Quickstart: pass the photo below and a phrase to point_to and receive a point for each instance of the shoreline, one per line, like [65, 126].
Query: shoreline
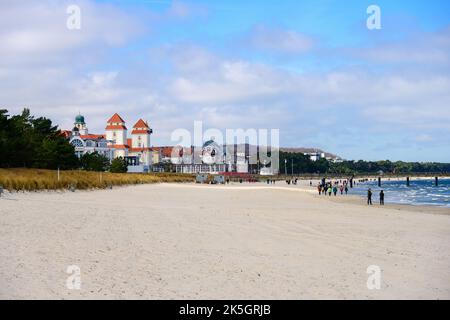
[352, 199]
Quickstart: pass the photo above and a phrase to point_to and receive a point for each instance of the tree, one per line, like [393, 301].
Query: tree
[26, 141]
[119, 165]
[94, 162]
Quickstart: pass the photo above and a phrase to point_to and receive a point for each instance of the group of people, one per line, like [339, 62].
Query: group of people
[369, 197]
[333, 187]
[292, 181]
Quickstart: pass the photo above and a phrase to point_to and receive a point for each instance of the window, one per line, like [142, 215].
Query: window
[77, 143]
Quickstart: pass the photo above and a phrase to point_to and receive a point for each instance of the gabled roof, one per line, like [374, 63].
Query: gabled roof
[116, 118]
[120, 123]
[141, 124]
[141, 127]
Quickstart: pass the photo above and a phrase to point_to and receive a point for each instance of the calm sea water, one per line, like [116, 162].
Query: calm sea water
[420, 192]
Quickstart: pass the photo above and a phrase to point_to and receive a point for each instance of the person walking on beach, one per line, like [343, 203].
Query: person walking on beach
[319, 188]
[346, 189]
[330, 190]
[335, 190]
[382, 198]
[341, 188]
[369, 196]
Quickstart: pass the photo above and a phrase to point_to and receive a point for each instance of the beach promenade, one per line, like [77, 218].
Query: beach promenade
[249, 241]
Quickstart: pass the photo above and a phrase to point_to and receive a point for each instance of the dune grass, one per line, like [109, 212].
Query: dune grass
[39, 179]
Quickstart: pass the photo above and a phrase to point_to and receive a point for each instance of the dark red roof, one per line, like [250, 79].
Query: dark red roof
[66, 133]
[116, 127]
[92, 136]
[139, 149]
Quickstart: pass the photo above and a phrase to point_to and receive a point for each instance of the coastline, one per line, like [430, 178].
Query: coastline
[303, 186]
[360, 201]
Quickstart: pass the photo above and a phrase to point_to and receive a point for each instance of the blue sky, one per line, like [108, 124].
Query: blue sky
[310, 68]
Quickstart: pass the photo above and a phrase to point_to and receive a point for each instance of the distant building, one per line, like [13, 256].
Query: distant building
[214, 158]
[315, 156]
[84, 142]
[210, 159]
[137, 150]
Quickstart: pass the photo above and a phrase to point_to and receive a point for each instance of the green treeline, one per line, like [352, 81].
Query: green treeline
[29, 142]
[303, 164]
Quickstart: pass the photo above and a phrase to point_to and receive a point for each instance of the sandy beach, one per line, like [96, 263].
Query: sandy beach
[186, 241]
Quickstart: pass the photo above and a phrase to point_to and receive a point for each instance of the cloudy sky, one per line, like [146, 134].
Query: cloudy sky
[310, 68]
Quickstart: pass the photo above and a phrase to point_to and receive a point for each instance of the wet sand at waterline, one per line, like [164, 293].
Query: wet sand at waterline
[188, 241]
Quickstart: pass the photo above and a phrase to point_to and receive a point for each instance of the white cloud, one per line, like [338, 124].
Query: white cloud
[279, 40]
[423, 50]
[36, 32]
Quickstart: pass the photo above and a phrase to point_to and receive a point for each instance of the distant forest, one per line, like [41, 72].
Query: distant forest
[27, 141]
[298, 163]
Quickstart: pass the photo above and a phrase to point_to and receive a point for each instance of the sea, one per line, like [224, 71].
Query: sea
[419, 192]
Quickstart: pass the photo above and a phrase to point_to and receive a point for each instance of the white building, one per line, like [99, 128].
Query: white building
[315, 156]
[136, 150]
[115, 142]
[84, 142]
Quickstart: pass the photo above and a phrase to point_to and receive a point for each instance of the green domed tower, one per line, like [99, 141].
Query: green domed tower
[80, 125]
[79, 119]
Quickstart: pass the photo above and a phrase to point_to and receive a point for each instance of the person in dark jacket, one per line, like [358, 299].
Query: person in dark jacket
[382, 197]
[369, 196]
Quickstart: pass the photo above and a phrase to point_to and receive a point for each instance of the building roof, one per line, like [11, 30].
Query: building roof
[116, 127]
[141, 127]
[116, 123]
[141, 124]
[166, 151]
[116, 118]
[92, 136]
[79, 119]
[119, 146]
[139, 149]
[66, 133]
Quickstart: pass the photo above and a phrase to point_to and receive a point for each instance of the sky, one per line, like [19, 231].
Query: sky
[311, 69]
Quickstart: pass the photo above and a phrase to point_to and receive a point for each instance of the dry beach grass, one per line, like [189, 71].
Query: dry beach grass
[40, 179]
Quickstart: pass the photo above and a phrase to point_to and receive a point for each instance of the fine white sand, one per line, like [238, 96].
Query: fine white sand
[219, 242]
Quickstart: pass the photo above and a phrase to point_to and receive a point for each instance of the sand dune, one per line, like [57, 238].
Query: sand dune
[218, 242]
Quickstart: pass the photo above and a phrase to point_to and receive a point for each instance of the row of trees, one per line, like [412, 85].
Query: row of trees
[298, 163]
[26, 141]
[388, 167]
